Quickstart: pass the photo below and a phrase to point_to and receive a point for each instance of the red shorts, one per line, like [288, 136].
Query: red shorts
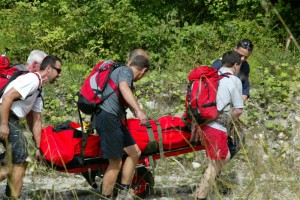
[215, 142]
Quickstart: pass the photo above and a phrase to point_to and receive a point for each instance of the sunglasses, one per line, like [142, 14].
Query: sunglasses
[57, 69]
[246, 45]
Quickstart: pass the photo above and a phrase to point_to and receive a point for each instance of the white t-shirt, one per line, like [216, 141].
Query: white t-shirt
[229, 92]
[28, 87]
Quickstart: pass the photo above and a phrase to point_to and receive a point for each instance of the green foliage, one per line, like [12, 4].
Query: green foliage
[217, 7]
[289, 11]
[276, 88]
[87, 31]
[60, 98]
[165, 90]
[177, 35]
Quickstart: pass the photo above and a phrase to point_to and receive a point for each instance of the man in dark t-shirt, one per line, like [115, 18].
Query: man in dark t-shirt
[245, 48]
[115, 137]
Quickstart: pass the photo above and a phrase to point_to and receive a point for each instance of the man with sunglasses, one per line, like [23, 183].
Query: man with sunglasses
[22, 99]
[244, 47]
[33, 64]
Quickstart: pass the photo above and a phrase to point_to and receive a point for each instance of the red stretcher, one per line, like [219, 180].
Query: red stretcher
[168, 136]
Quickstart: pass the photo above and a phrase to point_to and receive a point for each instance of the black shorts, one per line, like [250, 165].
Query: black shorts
[114, 135]
[17, 140]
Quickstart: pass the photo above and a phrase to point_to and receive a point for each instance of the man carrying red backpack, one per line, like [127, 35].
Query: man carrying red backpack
[33, 64]
[22, 99]
[213, 135]
[115, 138]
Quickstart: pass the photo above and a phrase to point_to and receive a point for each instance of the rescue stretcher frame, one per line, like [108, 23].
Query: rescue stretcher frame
[143, 181]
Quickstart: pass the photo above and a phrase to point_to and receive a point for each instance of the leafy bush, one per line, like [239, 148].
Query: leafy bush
[176, 38]
[60, 97]
[273, 96]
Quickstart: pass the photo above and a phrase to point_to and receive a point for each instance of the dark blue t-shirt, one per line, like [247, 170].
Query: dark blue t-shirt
[243, 75]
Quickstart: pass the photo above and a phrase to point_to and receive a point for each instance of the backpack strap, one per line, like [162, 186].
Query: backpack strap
[5, 76]
[40, 80]
[85, 134]
[84, 137]
[20, 67]
[63, 126]
[83, 143]
[152, 145]
[222, 75]
[160, 140]
[222, 110]
[109, 82]
[40, 88]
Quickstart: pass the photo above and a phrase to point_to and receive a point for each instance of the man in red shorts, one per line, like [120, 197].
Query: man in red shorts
[213, 135]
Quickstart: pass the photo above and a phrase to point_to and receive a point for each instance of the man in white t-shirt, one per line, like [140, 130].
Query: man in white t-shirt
[214, 134]
[22, 99]
[33, 64]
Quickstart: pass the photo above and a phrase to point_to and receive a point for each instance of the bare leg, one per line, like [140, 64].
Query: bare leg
[214, 168]
[15, 181]
[4, 171]
[110, 176]
[129, 165]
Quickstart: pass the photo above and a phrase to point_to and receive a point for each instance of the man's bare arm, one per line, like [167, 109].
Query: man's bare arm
[7, 101]
[236, 113]
[37, 130]
[130, 99]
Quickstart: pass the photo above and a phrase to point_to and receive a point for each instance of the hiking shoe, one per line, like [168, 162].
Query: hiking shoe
[125, 195]
[90, 177]
[4, 197]
[202, 191]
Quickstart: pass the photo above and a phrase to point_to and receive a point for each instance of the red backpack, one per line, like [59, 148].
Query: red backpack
[91, 93]
[7, 72]
[4, 61]
[201, 94]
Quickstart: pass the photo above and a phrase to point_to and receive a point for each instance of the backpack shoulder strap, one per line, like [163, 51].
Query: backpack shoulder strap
[227, 74]
[111, 82]
[40, 88]
[222, 75]
[40, 80]
[20, 67]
